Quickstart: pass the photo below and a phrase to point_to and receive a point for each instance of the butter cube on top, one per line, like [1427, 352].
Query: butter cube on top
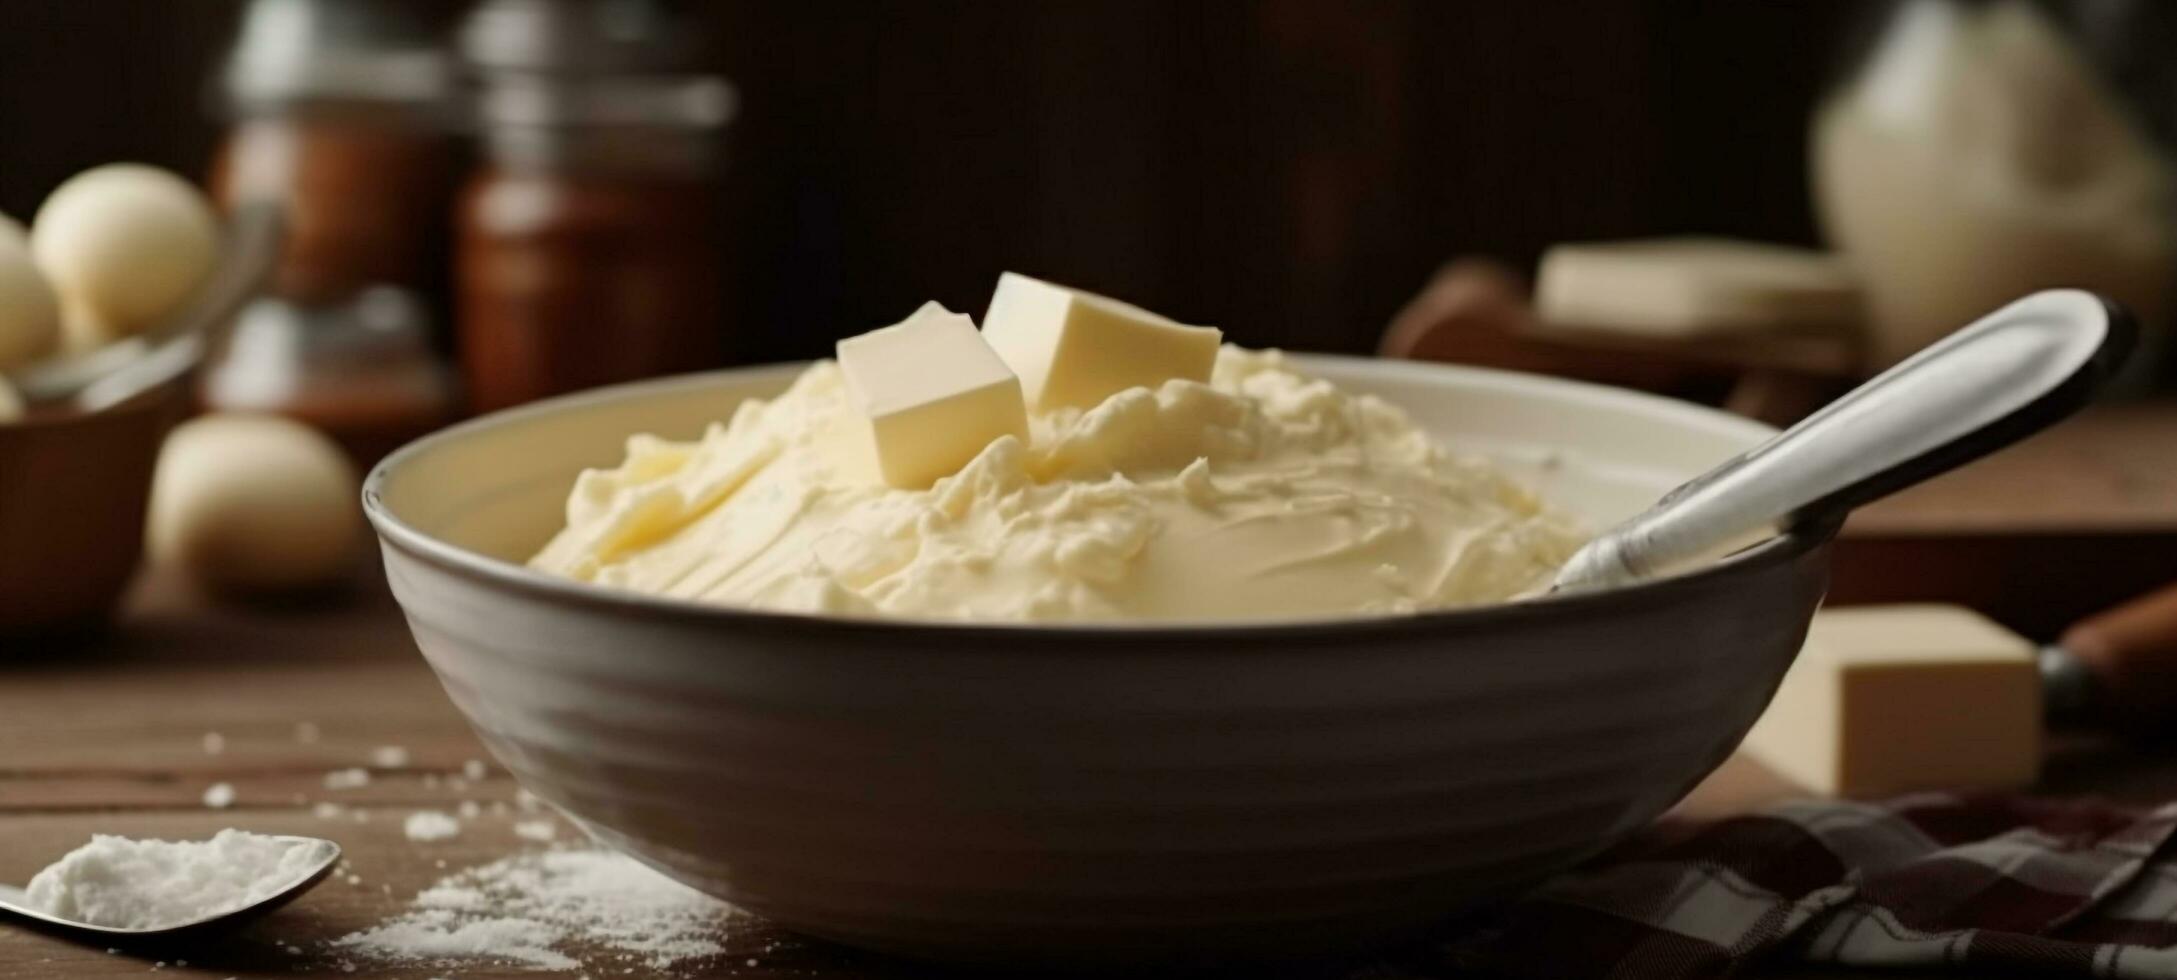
[1075, 348]
[1887, 699]
[927, 395]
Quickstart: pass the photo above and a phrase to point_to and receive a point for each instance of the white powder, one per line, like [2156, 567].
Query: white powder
[347, 778]
[389, 757]
[326, 810]
[430, 825]
[474, 770]
[469, 810]
[148, 884]
[214, 743]
[558, 910]
[536, 830]
[219, 796]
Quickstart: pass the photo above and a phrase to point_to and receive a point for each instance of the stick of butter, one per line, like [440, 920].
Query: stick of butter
[1075, 348]
[1687, 287]
[1885, 699]
[927, 394]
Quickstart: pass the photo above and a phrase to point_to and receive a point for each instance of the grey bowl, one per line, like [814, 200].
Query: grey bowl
[1100, 794]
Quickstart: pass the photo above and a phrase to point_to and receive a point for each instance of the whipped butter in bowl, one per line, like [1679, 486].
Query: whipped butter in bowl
[1078, 637]
[1234, 487]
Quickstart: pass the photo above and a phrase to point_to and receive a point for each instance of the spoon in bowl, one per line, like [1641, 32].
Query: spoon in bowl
[2008, 375]
[16, 900]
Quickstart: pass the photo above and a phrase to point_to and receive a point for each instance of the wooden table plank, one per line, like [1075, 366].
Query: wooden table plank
[2054, 529]
[2111, 469]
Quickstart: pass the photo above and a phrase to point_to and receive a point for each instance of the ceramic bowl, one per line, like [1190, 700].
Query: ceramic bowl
[74, 488]
[1100, 794]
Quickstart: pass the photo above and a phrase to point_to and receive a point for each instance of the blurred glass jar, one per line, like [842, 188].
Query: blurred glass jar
[589, 244]
[1980, 150]
[339, 111]
[360, 369]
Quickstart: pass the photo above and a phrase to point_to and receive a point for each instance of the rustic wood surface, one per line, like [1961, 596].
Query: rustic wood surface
[2047, 532]
[109, 738]
[2110, 470]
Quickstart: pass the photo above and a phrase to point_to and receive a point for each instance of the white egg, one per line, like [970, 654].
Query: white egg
[251, 504]
[29, 311]
[11, 404]
[125, 245]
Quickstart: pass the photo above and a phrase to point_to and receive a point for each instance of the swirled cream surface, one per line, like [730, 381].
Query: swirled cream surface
[1263, 494]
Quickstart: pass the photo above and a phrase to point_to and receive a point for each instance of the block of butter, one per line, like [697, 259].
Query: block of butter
[1075, 348]
[926, 395]
[1887, 699]
[1682, 287]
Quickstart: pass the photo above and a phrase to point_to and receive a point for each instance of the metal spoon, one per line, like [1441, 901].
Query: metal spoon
[2010, 374]
[15, 900]
[119, 371]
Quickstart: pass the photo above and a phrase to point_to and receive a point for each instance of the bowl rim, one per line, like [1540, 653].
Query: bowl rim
[1784, 549]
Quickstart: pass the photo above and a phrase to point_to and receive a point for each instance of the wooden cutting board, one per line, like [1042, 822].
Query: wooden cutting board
[2063, 525]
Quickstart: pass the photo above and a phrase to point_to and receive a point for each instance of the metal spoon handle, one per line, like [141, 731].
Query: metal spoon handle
[2008, 375]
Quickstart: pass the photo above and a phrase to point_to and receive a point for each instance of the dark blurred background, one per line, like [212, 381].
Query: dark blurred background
[1289, 170]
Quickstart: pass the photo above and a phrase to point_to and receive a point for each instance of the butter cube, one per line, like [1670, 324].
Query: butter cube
[1886, 699]
[926, 395]
[1075, 348]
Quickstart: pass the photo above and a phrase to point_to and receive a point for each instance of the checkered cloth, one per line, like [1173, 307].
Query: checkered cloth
[1989, 886]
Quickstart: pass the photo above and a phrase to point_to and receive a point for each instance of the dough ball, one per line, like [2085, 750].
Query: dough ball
[125, 245]
[29, 311]
[251, 504]
[83, 331]
[11, 403]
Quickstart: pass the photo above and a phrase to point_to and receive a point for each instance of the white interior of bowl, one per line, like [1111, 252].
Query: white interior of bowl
[498, 485]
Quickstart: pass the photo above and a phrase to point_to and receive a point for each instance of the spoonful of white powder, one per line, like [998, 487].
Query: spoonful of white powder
[117, 885]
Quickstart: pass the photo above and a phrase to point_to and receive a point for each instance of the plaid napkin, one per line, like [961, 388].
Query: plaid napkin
[1990, 886]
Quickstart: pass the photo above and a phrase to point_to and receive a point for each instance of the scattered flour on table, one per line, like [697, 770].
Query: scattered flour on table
[347, 778]
[219, 796]
[555, 910]
[389, 757]
[146, 884]
[430, 825]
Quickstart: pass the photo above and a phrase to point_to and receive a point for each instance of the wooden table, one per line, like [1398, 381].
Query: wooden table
[111, 739]
[2093, 501]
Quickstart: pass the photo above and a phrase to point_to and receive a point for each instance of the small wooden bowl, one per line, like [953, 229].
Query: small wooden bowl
[74, 488]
